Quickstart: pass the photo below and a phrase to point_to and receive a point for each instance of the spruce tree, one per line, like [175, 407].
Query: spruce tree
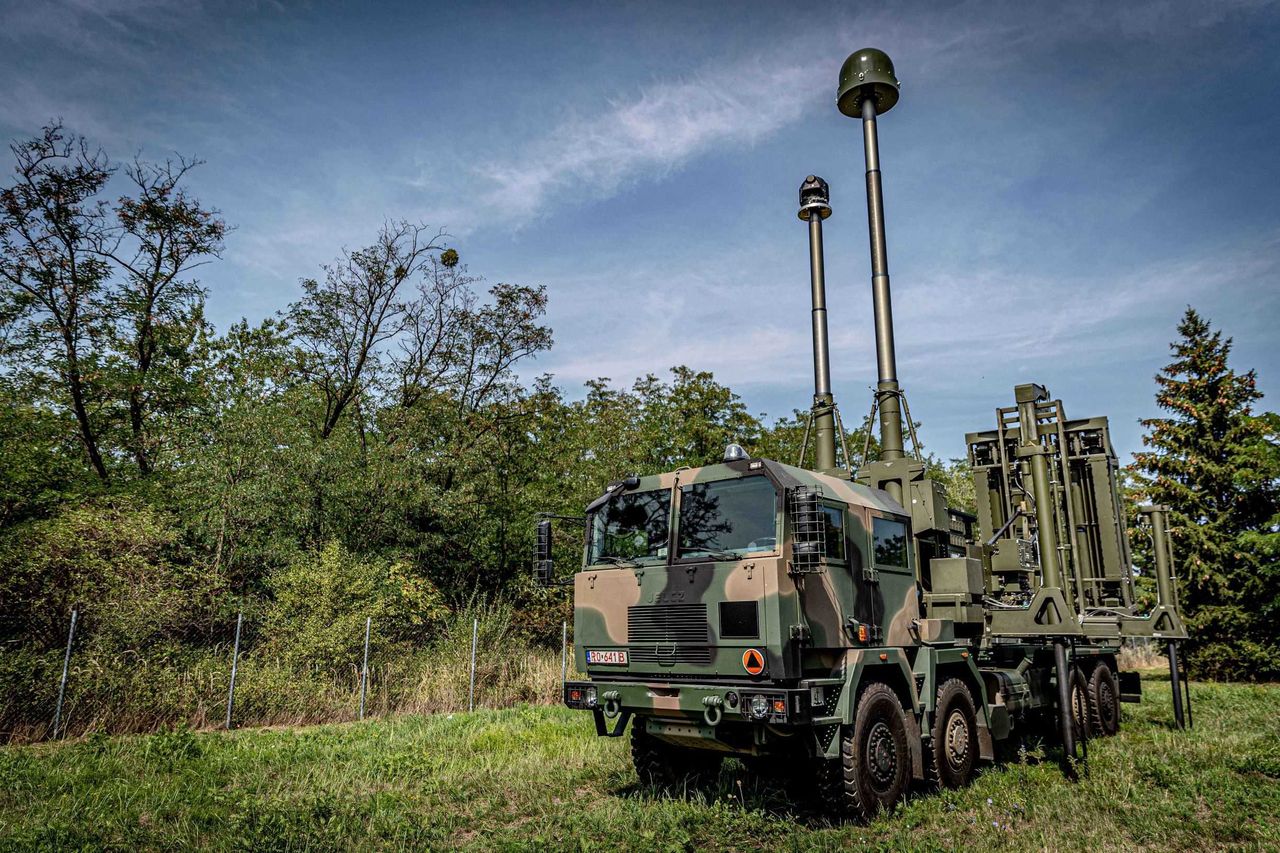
[1215, 464]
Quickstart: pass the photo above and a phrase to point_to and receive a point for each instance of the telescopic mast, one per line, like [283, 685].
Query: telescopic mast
[815, 206]
[868, 88]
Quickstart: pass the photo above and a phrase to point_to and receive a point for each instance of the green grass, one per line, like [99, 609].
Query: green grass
[536, 777]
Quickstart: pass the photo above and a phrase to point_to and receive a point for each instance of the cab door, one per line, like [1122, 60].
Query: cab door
[893, 575]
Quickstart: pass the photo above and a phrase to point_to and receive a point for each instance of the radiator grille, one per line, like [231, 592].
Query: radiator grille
[682, 624]
[669, 657]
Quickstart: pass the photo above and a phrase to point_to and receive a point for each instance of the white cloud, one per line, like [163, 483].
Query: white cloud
[732, 103]
[667, 124]
[949, 325]
[102, 29]
[1039, 320]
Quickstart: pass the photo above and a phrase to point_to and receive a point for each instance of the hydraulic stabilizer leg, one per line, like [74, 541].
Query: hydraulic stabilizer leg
[1085, 714]
[1186, 685]
[1065, 723]
[1175, 682]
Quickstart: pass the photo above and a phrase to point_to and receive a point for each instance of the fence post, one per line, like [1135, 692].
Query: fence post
[364, 670]
[471, 698]
[235, 659]
[564, 654]
[66, 664]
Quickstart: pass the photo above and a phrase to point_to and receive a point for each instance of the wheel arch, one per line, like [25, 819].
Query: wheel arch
[968, 674]
[897, 677]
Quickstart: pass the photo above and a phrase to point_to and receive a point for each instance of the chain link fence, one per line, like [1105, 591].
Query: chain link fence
[230, 682]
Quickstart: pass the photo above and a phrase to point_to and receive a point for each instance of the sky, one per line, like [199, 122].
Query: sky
[1060, 180]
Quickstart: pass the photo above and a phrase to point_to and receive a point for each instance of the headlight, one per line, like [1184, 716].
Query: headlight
[759, 707]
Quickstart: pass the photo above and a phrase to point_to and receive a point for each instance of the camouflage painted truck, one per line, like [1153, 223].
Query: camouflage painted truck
[849, 626]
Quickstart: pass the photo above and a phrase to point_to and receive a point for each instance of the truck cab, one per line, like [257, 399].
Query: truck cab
[738, 608]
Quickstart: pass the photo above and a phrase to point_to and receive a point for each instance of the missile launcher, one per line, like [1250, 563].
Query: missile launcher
[848, 622]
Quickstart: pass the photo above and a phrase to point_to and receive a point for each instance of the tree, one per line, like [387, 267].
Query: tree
[51, 226]
[784, 439]
[956, 478]
[117, 559]
[239, 453]
[162, 234]
[43, 462]
[428, 349]
[342, 323]
[1215, 465]
[690, 420]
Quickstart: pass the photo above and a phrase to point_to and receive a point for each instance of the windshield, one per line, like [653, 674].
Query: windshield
[728, 517]
[632, 526]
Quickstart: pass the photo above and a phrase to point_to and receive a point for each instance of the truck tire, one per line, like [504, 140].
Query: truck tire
[874, 768]
[665, 766]
[952, 754]
[1104, 701]
[1081, 707]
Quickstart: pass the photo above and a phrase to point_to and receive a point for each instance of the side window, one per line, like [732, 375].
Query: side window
[834, 534]
[890, 543]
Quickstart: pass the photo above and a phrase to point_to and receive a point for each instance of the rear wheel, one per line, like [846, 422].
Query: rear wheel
[1104, 701]
[874, 768]
[665, 766]
[1080, 705]
[953, 749]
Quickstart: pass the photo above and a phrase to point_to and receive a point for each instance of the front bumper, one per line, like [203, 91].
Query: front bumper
[710, 704]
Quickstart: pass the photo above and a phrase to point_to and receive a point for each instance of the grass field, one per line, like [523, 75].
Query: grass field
[536, 777]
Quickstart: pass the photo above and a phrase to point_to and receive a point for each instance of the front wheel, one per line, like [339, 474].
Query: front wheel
[874, 768]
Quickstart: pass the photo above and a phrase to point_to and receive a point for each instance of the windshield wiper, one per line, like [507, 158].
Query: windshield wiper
[717, 555]
[615, 561]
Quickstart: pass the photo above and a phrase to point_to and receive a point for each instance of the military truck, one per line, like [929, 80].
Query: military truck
[845, 623]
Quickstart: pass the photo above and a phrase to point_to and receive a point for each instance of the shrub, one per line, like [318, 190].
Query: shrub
[1242, 660]
[321, 601]
[119, 561]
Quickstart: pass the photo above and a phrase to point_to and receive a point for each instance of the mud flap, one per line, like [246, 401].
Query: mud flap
[1130, 686]
[998, 723]
[915, 742]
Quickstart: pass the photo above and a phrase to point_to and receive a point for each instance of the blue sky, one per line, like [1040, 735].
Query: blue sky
[1060, 182]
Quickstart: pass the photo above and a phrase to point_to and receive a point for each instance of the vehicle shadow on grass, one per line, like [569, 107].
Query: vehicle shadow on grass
[736, 788]
[795, 797]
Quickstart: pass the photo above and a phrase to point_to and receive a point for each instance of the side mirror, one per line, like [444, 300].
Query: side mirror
[543, 567]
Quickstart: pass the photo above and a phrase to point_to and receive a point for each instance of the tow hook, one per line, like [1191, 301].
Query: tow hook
[713, 713]
[612, 703]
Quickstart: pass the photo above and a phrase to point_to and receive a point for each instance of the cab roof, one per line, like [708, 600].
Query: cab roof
[788, 476]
